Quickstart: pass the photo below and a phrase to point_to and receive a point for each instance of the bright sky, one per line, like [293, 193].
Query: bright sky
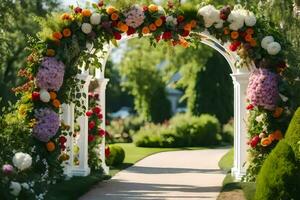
[75, 2]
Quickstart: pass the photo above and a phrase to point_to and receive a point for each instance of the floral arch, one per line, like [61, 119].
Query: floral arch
[68, 125]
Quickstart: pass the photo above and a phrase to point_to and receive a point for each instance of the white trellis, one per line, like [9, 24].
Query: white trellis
[240, 82]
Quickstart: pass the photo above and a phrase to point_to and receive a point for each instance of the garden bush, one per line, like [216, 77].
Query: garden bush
[279, 176]
[117, 155]
[228, 132]
[182, 130]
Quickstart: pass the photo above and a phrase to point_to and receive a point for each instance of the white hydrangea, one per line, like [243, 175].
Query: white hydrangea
[44, 96]
[15, 188]
[250, 19]
[134, 16]
[86, 28]
[210, 15]
[172, 21]
[237, 19]
[95, 18]
[266, 41]
[274, 48]
[22, 161]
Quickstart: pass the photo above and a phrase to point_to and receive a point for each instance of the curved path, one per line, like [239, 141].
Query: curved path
[186, 175]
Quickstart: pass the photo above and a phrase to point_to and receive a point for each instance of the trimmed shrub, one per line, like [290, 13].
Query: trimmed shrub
[116, 157]
[182, 130]
[279, 176]
[228, 132]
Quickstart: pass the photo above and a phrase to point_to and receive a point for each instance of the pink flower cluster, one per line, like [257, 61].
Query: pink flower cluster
[47, 124]
[51, 74]
[135, 16]
[263, 89]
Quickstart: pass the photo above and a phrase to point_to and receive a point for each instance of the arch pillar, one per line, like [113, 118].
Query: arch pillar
[240, 82]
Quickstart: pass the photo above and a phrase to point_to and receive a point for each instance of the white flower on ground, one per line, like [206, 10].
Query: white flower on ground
[172, 21]
[44, 96]
[250, 19]
[22, 161]
[86, 28]
[210, 15]
[15, 188]
[266, 41]
[274, 48]
[95, 18]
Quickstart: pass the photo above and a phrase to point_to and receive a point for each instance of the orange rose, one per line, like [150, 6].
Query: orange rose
[145, 30]
[152, 27]
[278, 135]
[248, 37]
[153, 8]
[56, 103]
[86, 13]
[50, 146]
[234, 35]
[226, 31]
[123, 27]
[188, 27]
[278, 112]
[50, 52]
[114, 16]
[184, 43]
[57, 35]
[180, 18]
[67, 32]
[250, 31]
[193, 23]
[66, 16]
[110, 10]
[158, 22]
[53, 95]
[265, 142]
[272, 137]
[253, 43]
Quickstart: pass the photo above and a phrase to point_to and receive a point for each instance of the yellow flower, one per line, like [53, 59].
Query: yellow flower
[153, 8]
[22, 111]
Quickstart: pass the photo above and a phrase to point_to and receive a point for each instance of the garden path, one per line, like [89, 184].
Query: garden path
[188, 175]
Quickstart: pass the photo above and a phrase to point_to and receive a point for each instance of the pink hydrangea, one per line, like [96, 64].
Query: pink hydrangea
[51, 74]
[135, 16]
[263, 89]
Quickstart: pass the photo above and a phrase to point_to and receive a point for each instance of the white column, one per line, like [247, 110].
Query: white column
[240, 81]
[83, 168]
[102, 98]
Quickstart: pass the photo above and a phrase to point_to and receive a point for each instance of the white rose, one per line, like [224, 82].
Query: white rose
[15, 188]
[250, 20]
[86, 28]
[266, 41]
[219, 24]
[44, 96]
[274, 48]
[237, 19]
[22, 161]
[171, 20]
[95, 18]
[210, 15]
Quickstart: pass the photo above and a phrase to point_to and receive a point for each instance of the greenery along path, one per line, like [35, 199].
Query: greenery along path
[167, 175]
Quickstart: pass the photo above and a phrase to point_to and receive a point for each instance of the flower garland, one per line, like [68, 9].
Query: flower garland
[52, 76]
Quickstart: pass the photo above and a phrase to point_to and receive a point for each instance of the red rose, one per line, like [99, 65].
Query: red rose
[62, 139]
[89, 113]
[100, 116]
[233, 47]
[167, 35]
[78, 10]
[163, 18]
[101, 3]
[250, 107]
[145, 8]
[101, 132]
[62, 147]
[223, 16]
[158, 38]
[254, 141]
[130, 31]
[91, 138]
[91, 95]
[96, 96]
[97, 110]
[185, 33]
[35, 96]
[117, 36]
[92, 125]
[107, 152]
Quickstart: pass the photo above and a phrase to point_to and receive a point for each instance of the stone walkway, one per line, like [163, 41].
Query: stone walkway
[186, 175]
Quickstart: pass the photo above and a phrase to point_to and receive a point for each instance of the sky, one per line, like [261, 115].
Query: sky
[81, 3]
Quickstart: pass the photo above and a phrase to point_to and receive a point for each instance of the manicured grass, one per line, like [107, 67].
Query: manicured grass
[229, 184]
[133, 154]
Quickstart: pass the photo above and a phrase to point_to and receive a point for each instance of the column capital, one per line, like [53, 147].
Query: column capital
[241, 77]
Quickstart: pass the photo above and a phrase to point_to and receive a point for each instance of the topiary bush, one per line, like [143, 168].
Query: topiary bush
[228, 132]
[116, 157]
[182, 130]
[279, 176]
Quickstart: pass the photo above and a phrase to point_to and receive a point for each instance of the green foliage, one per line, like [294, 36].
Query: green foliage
[279, 176]
[143, 80]
[117, 155]
[181, 131]
[228, 132]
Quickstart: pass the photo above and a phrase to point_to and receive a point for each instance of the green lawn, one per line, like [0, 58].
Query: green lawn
[229, 183]
[134, 154]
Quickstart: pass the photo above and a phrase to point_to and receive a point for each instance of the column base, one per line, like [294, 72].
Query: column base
[105, 169]
[237, 174]
[80, 172]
